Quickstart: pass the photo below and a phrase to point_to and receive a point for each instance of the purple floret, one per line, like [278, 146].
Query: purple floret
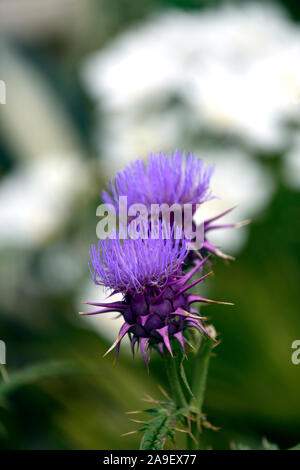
[163, 179]
[130, 265]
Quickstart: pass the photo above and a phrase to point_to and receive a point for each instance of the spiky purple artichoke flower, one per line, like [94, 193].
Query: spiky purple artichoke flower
[175, 179]
[156, 305]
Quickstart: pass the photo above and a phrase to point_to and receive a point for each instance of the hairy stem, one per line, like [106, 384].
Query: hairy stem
[172, 367]
[202, 359]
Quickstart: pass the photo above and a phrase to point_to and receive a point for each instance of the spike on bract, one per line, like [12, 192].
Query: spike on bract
[153, 317]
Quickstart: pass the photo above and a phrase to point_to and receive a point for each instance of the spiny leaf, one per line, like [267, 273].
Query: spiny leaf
[160, 427]
[155, 432]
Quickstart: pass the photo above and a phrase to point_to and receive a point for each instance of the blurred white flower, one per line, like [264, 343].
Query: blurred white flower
[234, 70]
[35, 200]
[35, 120]
[127, 136]
[291, 165]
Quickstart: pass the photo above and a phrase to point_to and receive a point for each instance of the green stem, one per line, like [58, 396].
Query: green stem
[172, 366]
[202, 359]
[200, 372]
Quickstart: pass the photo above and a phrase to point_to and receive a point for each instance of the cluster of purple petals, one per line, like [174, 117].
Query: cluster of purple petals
[176, 179]
[130, 265]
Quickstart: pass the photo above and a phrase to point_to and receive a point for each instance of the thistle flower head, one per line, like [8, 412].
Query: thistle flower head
[156, 305]
[175, 179]
[162, 180]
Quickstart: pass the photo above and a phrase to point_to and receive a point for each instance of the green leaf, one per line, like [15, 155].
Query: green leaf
[35, 373]
[160, 427]
[153, 439]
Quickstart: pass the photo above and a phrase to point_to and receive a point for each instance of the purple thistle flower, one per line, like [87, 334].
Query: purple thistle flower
[168, 180]
[175, 179]
[156, 305]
